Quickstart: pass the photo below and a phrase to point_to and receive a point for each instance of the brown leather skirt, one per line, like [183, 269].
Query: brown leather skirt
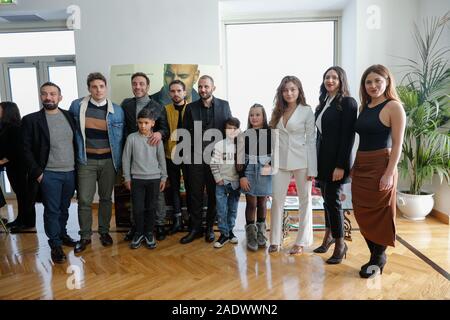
[374, 210]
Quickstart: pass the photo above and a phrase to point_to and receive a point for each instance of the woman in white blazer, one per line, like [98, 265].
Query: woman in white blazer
[294, 154]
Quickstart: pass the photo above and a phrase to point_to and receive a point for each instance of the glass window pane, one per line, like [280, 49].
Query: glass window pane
[260, 55]
[35, 44]
[24, 89]
[66, 78]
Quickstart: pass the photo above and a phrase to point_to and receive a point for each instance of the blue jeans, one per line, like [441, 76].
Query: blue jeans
[57, 191]
[227, 201]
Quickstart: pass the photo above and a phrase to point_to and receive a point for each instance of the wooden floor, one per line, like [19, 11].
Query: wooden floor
[418, 268]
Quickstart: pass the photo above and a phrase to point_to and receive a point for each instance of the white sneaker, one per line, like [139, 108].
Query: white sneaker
[233, 238]
[221, 241]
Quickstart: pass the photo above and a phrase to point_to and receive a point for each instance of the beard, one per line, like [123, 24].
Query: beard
[206, 96]
[50, 106]
[177, 100]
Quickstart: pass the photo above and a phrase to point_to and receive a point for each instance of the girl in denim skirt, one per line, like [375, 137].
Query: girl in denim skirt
[255, 174]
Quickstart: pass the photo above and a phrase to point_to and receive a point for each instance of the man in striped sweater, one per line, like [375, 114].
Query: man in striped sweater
[99, 137]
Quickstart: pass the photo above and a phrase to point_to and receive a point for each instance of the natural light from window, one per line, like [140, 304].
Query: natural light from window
[260, 55]
[27, 44]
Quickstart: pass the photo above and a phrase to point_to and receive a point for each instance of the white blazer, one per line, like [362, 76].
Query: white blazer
[295, 144]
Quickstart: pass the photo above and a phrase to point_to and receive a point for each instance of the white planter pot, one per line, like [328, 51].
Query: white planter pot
[415, 207]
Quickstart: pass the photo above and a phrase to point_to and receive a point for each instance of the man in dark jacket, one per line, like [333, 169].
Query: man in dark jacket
[140, 84]
[49, 152]
[205, 114]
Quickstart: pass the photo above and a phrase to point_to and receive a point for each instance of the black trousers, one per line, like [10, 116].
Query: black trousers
[2, 199]
[199, 177]
[334, 216]
[25, 198]
[174, 172]
[144, 197]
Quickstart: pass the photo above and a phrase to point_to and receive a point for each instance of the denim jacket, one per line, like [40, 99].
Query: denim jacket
[116, 127]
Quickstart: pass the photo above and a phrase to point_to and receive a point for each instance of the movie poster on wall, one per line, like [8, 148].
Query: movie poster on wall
[160, 76]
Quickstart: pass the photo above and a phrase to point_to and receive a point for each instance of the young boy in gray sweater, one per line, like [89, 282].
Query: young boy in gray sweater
[144, 170]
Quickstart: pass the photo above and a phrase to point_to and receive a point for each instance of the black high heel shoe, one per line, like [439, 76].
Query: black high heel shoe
[376, 263]
[338, 259]
[371, 270]
[324, 248]
[364, 266]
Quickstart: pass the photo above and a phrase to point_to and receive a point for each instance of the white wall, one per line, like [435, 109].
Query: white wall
[377, 44]
[142, 31]
[349, 46]
[436, 8]
[137, 31]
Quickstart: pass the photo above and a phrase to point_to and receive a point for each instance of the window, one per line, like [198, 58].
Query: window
[259, 55]
[36, 44]
[27, 60]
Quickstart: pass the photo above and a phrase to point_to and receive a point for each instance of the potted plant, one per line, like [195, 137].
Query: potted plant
[425, 94]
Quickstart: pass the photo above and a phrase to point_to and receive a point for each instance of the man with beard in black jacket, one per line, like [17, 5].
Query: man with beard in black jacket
[49, 152]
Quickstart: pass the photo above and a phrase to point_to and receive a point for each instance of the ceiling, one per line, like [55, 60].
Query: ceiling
[31, 10]
[247, 7]
[7, 15]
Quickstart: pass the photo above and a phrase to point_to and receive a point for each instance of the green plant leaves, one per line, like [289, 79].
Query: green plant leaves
[425, 95]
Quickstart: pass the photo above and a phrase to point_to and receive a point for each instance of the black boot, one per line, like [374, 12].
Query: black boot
[370, 245]
[377, 262]
[191, 236]
[177, 225]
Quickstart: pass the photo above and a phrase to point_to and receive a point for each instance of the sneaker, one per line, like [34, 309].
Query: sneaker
[233, 238]
[221, 241]
[150, 241]
[137, 240]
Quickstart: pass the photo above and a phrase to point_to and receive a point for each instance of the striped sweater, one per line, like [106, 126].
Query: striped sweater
[96, 130]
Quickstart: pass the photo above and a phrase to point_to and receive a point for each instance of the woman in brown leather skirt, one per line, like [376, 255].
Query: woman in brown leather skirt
[380, 126]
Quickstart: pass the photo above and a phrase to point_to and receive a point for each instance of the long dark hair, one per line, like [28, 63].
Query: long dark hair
[11, 114]
[280, 104]
[343, 90]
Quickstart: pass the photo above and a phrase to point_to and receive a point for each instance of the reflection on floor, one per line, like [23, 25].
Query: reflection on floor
[198, 271]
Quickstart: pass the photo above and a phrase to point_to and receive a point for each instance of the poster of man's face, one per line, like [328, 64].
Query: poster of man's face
[160, 77]
[188, 73]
